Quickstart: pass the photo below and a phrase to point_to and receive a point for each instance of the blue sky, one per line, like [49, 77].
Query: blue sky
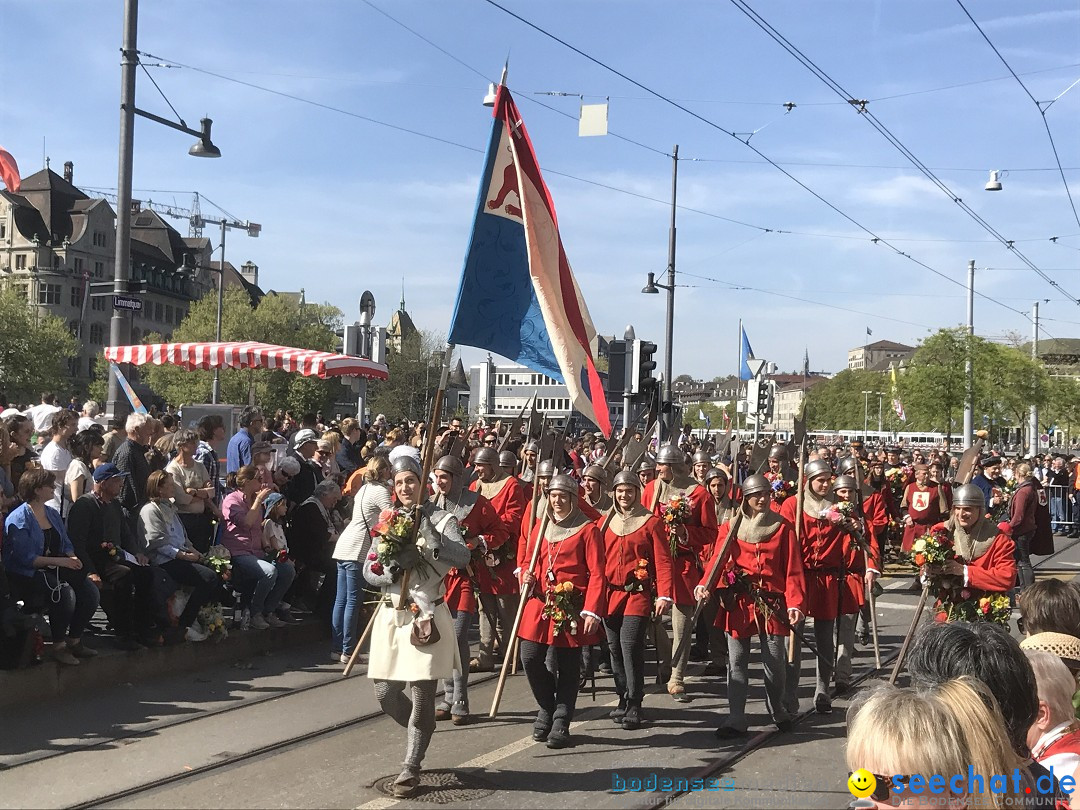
[348, 205]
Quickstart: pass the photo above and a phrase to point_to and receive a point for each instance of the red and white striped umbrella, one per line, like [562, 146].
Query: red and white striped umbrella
[193, 356]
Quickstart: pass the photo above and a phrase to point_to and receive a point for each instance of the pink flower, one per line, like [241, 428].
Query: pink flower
[376, 568]
[373, 556]
[386, 515]
[965, 594]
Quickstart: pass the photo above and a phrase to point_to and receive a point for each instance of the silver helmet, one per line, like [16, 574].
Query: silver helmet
[507, 460]
[844, 482]
[545, 469]
[596, 473]
[452, 465]
[969, 495]
[404, 464]
[532, 446]
[488, 456]
[778, 452]
[818, 468]
[702, 457]
[755, 485]
[648, 462]
[626, 478]
[670, 454]
[846, 465]
[715, 472]
[563, 483]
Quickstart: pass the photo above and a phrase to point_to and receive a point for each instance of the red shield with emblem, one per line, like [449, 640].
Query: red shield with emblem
[920, 501]
[1042, 498]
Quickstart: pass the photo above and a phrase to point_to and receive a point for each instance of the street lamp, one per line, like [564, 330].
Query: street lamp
[120, 323]
[253, 229]
[866, 412]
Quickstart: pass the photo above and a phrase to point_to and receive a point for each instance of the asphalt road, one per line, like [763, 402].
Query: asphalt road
[286, 730]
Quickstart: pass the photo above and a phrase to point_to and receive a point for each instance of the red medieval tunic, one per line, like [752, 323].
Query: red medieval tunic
[481, 519]
[767, 553]
[700, 531]
[507, 498]
[628, 539]
[853, 596]
[925, 506]
[988, 555]
[822, 555]
[572, 551]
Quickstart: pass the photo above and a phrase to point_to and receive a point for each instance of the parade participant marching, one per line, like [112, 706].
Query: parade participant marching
[412, 639]
[823, 559]
[860, 544]
[761, 588]
[495, 572]
[875, 497]
[710, 644]
[646, 469]
[781, 476]
[482, 530]
[638, 572]
[925, 504]
[973, 583]
[594, 481]
[702, 461]
[691, 528]
[567, 591]
[716, 481]
[528, 463]
[508, 463]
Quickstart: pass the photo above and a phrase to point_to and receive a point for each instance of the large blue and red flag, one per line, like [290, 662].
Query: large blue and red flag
[518, 296]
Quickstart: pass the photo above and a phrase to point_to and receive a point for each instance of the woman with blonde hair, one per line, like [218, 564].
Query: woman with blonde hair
[897, 733]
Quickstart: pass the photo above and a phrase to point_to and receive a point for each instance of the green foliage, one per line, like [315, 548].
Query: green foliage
[276, 320]
[414, 378]
[933, 388]
[714, 412]
[34, 350]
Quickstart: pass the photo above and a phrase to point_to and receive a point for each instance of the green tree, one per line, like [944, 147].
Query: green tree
[278, 320]
[34, 349]
[1063, 405]
[414, 378]
[839, 404]
[714, 412]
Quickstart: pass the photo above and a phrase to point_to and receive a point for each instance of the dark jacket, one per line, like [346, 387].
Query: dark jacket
[1030, 515]
[130, 457]
[308, 534]
[348, 457]
[92, 522]
[302, 486]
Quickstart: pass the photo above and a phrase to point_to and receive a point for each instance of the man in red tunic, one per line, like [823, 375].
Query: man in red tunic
[822, 545]
[638, 572]
[761, 578]
[690, 538]
[482, 530]
[875, 512]
[860, 545]
[494, 571]
[565, 611]
[984, 563]
[925, 504]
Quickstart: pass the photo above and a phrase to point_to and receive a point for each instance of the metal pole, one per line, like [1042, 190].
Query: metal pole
[879, 416]
[1033, 416]
[671, 291]
[865, 413]
[215, 391]
[969, 371]
[120, 323]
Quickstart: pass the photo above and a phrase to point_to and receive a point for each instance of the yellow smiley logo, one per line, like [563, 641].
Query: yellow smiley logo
[861, 783]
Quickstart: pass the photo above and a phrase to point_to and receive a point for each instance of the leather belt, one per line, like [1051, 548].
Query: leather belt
[389, 602]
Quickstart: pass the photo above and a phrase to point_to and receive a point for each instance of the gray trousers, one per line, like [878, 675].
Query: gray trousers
[847, 647]
[416, 715]
[626, 640]
[682, 628]
[496, 620]
[456, 689]
[823, 641]
[774, 660]
[718, 644]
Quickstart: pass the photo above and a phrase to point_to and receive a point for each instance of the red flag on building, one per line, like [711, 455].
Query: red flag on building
[9, 171]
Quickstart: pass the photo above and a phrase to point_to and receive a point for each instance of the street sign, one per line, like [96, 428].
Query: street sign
[755, 365]
[1045, 438]
[124, 302]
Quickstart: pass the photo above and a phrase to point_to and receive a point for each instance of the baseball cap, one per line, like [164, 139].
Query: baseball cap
[107, 471]
[272, 500]
[304, 436]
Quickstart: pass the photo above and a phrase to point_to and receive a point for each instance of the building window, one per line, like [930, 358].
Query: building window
[168, 313]
[90, 367]
[158, 313]
[99, 238]
[98, 304]
[56, 262]
[76, 295]
[99, 269]
[97, 334]
[20, 261]
[3, 230]
[78, 265]
[49, 293]
[73, 327]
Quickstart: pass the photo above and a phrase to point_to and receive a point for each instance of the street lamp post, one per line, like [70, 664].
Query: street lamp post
[866, 412]
[253, 229]
[120, 323]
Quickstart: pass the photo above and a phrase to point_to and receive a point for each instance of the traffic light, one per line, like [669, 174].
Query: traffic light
[642, 365]
[764, 396]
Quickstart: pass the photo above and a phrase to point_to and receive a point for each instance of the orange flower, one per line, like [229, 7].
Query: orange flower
[415, 608]
[641, 573]
[642, 563]
[920, 559]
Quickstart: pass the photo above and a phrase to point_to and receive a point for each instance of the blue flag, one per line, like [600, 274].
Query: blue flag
[745, 353]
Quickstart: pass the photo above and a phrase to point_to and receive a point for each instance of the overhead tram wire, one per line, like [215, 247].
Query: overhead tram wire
[1042, 110]
[708, 122]
[860, 107]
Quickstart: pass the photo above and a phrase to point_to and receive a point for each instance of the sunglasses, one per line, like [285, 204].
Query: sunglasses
[883, 784]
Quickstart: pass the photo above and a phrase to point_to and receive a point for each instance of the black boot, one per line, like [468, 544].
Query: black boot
[542, 725]
[620, 710]
[632, 718]
[559, 737]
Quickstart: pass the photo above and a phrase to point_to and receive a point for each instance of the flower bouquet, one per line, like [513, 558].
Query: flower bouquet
[897, 478]
[395, 549]
[781, 488]
[968, 605]
[675, 513]
[638, 580]
[279, 556]
[563, 606]
[213, 621]
[111, 550]
[220, 565]
[934, 547]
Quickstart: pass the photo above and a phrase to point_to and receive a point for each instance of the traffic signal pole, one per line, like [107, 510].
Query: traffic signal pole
[668, 421]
